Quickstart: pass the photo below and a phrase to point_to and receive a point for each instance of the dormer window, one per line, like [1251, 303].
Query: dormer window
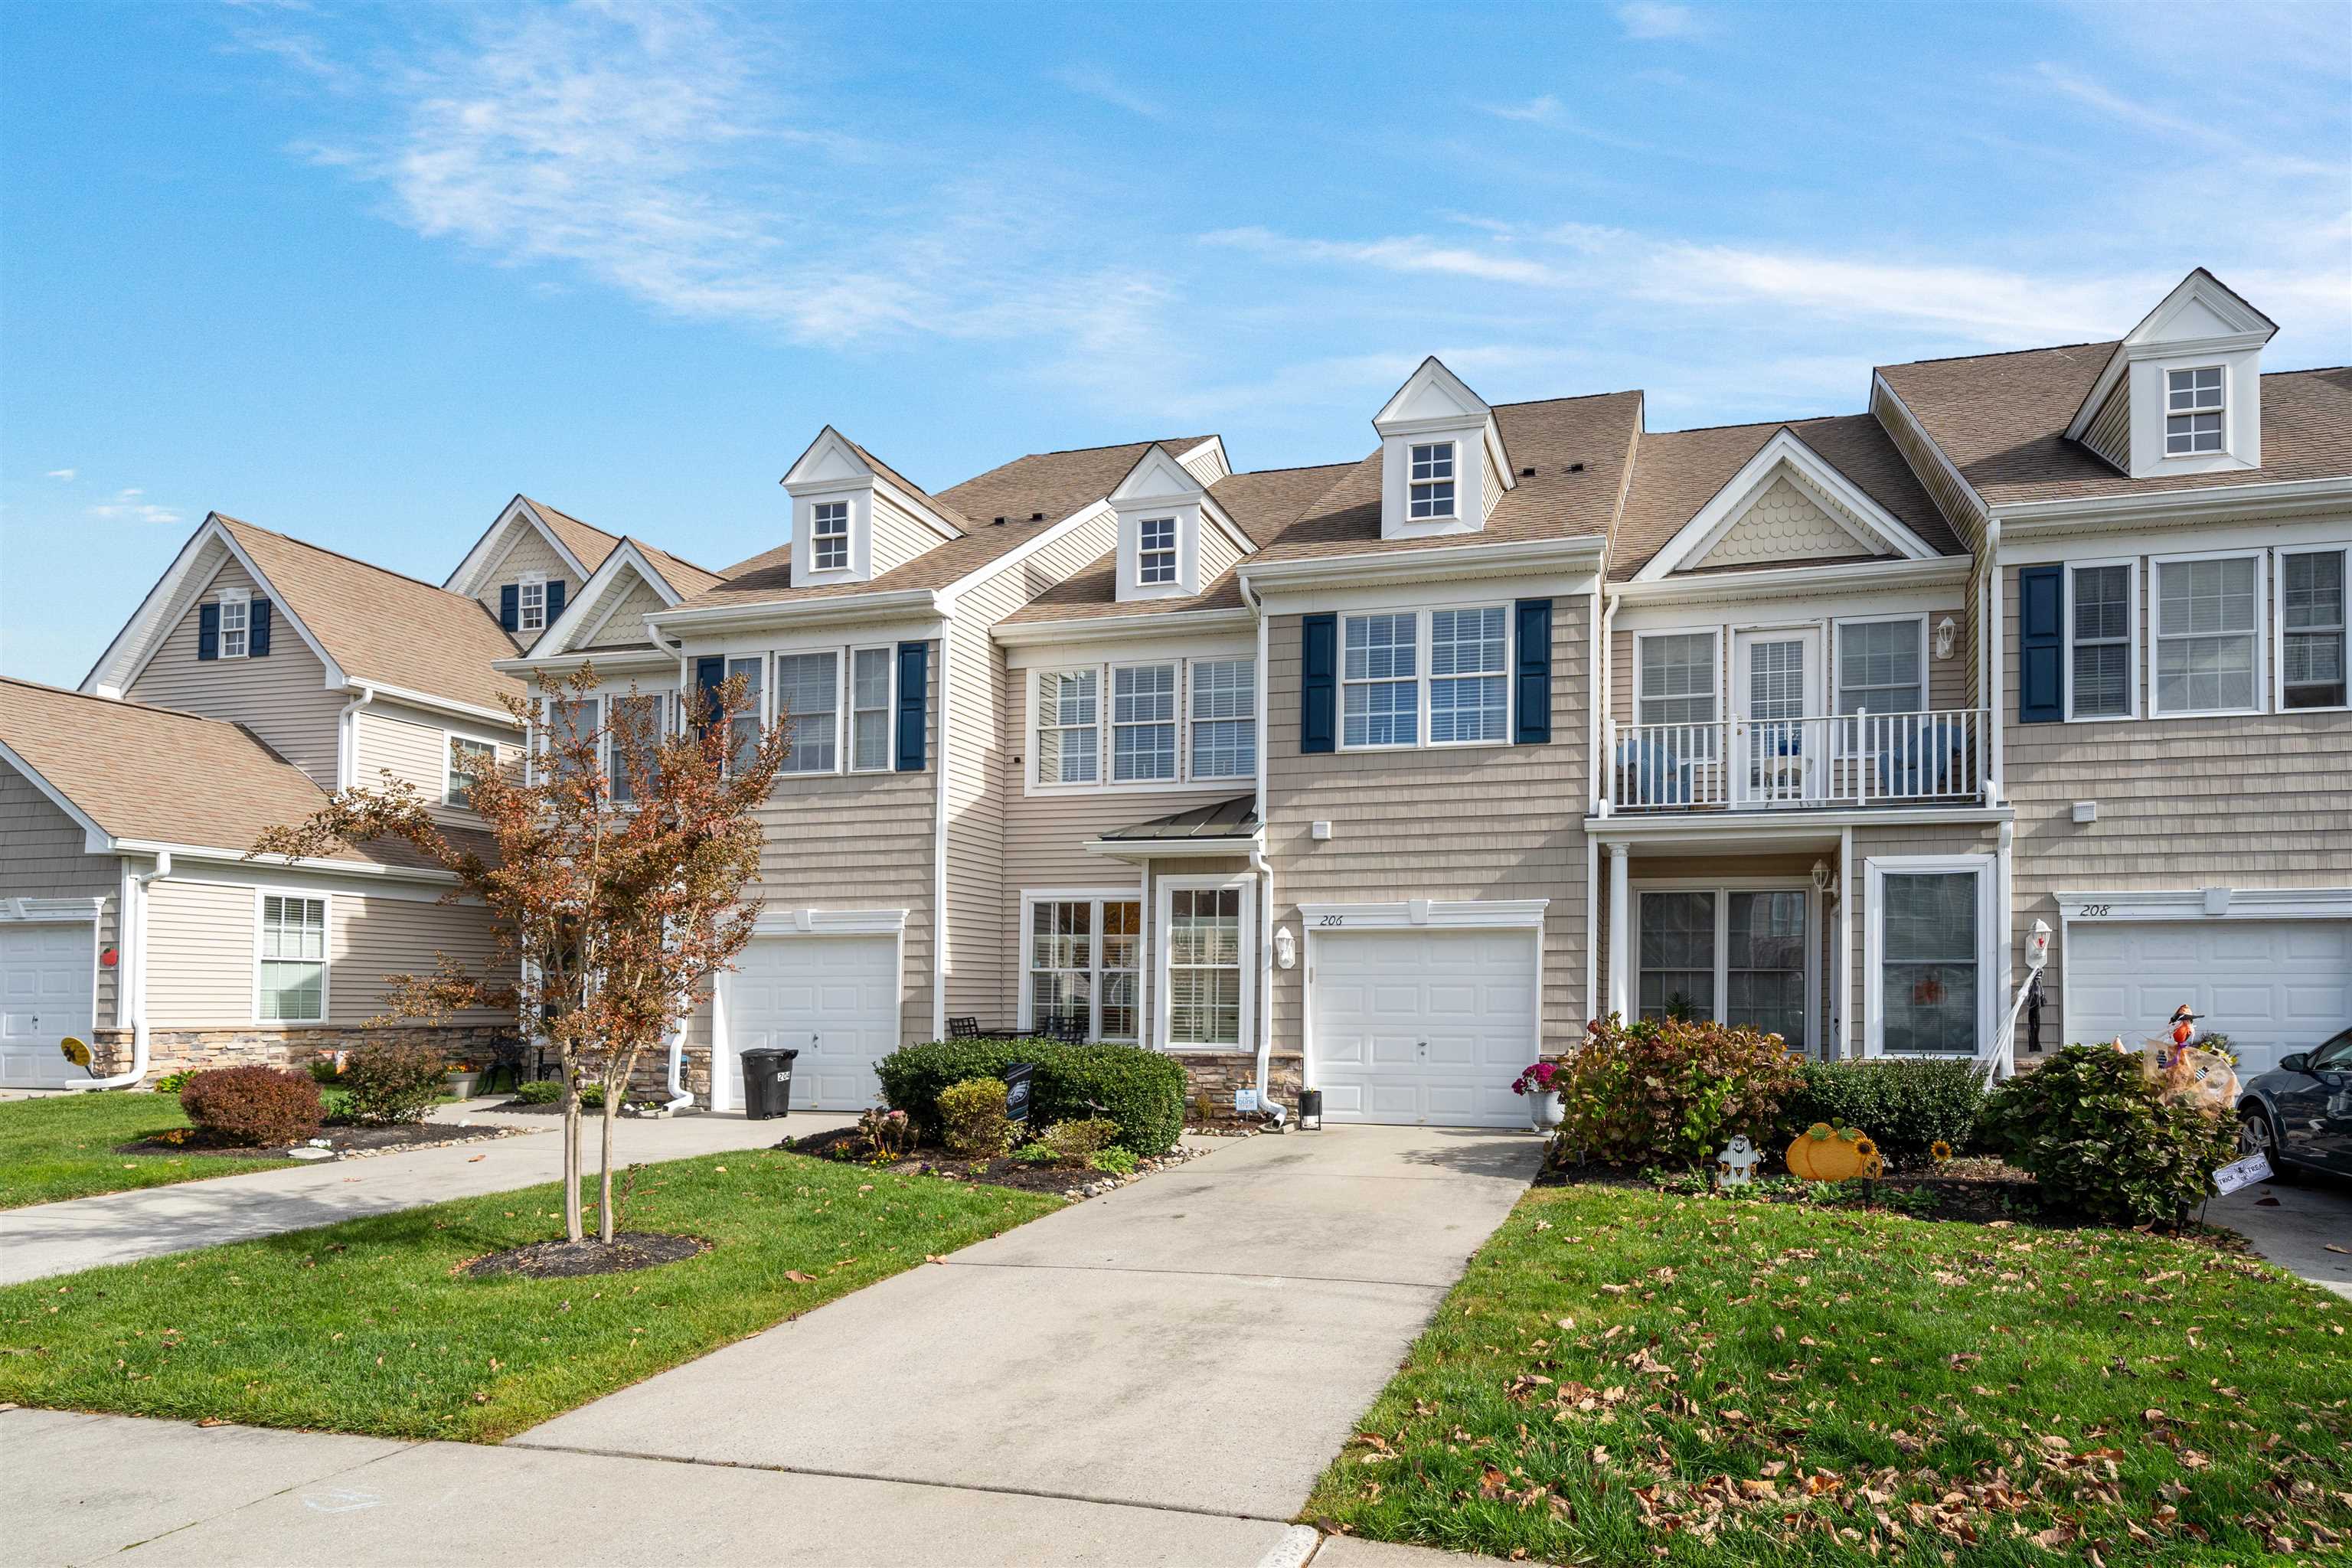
[1155, 556]
[830, 523]
[1432, 480]
[530, 605]
[235, 623]
[2192, 412]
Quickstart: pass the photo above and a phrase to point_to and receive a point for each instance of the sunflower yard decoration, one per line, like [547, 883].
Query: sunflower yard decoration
[1825, 1153]
[76, 1051]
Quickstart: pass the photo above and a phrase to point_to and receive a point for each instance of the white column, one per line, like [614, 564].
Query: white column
[1621, 934]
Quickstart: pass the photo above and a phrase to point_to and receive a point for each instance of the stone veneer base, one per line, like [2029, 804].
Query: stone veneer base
[197, 1050]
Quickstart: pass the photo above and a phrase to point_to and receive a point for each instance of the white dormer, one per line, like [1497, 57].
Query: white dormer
[2183, 392]
[1173, 538]
[1443, 467]
[851, 522]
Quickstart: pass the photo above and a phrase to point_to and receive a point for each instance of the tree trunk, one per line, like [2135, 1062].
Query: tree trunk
[571, 1229]
[604, 1186]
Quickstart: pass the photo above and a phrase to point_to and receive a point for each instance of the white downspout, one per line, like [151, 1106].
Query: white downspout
[1258, 863]
[347, 735]
[680, 1097]
[938, 841]
[134, 915]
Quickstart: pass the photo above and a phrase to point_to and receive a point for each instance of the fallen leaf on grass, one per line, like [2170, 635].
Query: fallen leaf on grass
[797, 1278]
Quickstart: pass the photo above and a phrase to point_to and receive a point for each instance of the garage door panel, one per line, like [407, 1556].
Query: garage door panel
[1422, 1026]
[45, 995]
[2273, 987]
[834, 999]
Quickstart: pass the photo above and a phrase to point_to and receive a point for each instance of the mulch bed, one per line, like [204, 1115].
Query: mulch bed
[629, 1251]
[1062, 1180]
[343, 1140]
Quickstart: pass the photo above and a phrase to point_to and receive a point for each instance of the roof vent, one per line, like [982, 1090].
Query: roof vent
[1576, 467]
[1526, 473]
[998, 523]
[1036, 517]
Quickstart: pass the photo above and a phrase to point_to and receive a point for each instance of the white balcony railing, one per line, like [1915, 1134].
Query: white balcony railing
[1762, 764]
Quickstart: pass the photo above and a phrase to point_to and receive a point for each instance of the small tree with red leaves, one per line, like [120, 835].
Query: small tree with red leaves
[617, 892]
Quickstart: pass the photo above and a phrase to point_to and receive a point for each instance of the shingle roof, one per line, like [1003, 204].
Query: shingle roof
[1596, 432]
[592, 544]
[1030, 493]
[2002, 418]
[1265, 504]
[382, 626]
[164, 776]
[904, 483]
[1678, 472]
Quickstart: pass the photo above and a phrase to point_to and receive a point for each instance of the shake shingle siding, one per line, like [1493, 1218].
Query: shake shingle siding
[529, 551]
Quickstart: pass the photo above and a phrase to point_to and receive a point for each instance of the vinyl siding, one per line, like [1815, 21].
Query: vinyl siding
[282, 697]
[1501, 822]
[1219, 553]
[2109, 432]
[370, 940]
[1949, 681]
[1875, 843]
[898, 536]
[409, 746]
[199, 956]
[982, 979]
[622, 623]
[529, 551]
[1202, 465]
[41, 857]
[2248, 801]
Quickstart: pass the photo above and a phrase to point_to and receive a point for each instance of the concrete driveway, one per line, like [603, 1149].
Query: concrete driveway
[2304, 1226]
[1202, 1342]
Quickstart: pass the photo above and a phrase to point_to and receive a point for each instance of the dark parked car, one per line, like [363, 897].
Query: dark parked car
[2300, 1113]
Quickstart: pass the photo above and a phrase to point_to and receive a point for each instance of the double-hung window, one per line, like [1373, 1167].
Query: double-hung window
[2312, 628]
[1155, 554]
[1380, 680]
[1204, 966]
[1069, 736]
[1084, 961]
[530, 604]
[469, 762]
[2192, 412]
[1469, 696]
[829, 535]
[808, 698]
[1432, 480]
[1881, 665]
[236, 625]
[570, 723]
[869, 708]
[1224, 718]
[1142, 722]
[2209, 635]
[2101, 627]
[291, 977]
[637, 718]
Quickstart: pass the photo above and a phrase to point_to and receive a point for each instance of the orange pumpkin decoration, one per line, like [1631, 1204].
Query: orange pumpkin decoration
[1825, 1153]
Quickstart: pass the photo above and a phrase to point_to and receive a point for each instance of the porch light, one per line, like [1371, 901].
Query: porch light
[1310, 1111]
[1822, 875]
[1946, 632]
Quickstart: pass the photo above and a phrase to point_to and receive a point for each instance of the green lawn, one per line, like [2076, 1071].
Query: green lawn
[62, 1146]
[364, 1327]
[1624, 1377]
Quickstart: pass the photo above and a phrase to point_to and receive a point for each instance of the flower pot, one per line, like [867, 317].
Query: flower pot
[1544, 1112]
[461, 1084]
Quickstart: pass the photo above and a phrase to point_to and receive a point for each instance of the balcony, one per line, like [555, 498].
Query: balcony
[1856, 760]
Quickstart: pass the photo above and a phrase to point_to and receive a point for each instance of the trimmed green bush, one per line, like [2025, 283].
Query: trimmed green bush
[539, 1091]
[971, 1118]
[2100, 1138]
[1907, 1105]
[393, 1082]
[1076, 1142]
[1141, 1090]
[254, 1106]
[1668, 1092]
[1113, 1161]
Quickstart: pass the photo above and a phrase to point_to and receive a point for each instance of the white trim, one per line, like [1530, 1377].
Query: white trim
[2194, 904]
[849, 708]
[1715, 690]
[1796, 582]
[1423, 680]
[1943, 464]
[1817, 1042]
[483, 556]
[1773, 830]
[52, 912]
[2280, 631]
[2231, 503]
[1844, 502]
[152, 632]
[1140, 851]
[811, 921]
[1026, 1017]
[2132, 640]
[538, 579]
[826, 610]
[449, 738]
[1247, 882]
[1106, 755]
[1427, 564]
[573, 622]
[97, 839]
[1407, 914]
[1992, 939]
[2252, 330]
[2156, 640]
[401, 694]
[1171, 624]
[262, 893]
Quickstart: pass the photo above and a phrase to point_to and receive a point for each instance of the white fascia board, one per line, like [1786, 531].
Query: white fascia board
[1120, 629]
[1780, 581]
[916, 507]
[1141, 851]
[2282, 498]
[214, 854]
[134, 630]
[2189, 904]
[1944, 463]
[1766, 827]
[2252, 330]
[525, 667]
[794, 613]
[1052, 533]
[150, 626]
[1432, 564]
[96, 838]
[1694, 539]
[426, 700]
[1214, 443]
[492, 545]
[583, 608]
[774, 922]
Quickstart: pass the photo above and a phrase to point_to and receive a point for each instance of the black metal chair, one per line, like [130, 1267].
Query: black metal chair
[1066, 1029]
[507, 1055]
[964, 1029]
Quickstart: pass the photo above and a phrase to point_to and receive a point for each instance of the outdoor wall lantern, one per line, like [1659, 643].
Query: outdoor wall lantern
[1946, 631]
[1822, 875]
[1286, 949]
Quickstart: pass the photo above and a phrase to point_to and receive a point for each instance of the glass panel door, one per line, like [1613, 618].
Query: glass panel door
[1774, 676]
[1764, 963]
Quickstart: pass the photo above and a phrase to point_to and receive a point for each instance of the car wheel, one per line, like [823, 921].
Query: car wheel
[2258, 1134]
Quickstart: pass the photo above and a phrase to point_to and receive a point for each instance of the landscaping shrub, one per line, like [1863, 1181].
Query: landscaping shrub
[1141, 1090]
[1907, 1105]
[1076, 1142]
[2091, 1127]
[257, 1106]
[324, 1069]
[393, 1082]
[1114, 1162]
[972, 1117]
[539, 1091]
[1034, 1154]
[1669, 1092]
[172, 1082]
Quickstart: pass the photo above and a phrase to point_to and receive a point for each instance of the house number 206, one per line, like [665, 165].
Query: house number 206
[1331, 921]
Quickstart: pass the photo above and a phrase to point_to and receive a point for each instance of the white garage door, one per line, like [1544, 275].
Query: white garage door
[2273, 987]
[45, 994]
[835, 999]
[1424, 1026]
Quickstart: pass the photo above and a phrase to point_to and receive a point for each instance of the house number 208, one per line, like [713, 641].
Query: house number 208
[2093, 911]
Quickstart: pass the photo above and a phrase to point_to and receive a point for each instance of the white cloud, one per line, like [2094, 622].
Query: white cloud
[1647, 19]
[126, 507]
[1092, 81]
[65, 474]
[1544, 111]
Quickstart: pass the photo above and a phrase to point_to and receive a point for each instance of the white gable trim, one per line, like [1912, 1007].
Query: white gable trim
[2243, 328]
[495, 543]
[832, 463]
[173, 595]
[589, 609]
[1872, 525]
[96, 840]
[1159, 478]
[1407, 413]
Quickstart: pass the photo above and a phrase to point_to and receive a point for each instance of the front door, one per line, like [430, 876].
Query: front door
[1773, 678]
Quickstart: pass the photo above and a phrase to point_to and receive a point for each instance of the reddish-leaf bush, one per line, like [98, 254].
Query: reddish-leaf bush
[256, 1106]
[1669, 1092]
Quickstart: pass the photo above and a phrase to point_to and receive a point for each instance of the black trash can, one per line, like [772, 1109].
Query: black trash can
[767, 1081]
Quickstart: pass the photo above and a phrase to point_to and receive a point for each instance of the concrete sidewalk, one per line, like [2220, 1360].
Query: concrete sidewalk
[2296, 1227]
[122, 1227]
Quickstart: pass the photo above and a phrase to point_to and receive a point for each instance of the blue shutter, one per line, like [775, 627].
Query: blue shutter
[914, 703]
[710, 674]
[1318, 682]
[1531, 668]
[554, 599]
[256, 634]
[510, 606]
[2040, 645]
[209, 632]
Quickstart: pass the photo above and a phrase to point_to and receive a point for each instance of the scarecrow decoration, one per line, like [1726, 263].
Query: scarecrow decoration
[1735, 1167]
[1825, 1153]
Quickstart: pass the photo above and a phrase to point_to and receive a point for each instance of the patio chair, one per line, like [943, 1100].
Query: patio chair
[1067, 1029]
[964, 1029]
[1649, 773]
[508, 1056]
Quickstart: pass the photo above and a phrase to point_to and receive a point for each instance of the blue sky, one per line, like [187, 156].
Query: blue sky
[362, 274]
